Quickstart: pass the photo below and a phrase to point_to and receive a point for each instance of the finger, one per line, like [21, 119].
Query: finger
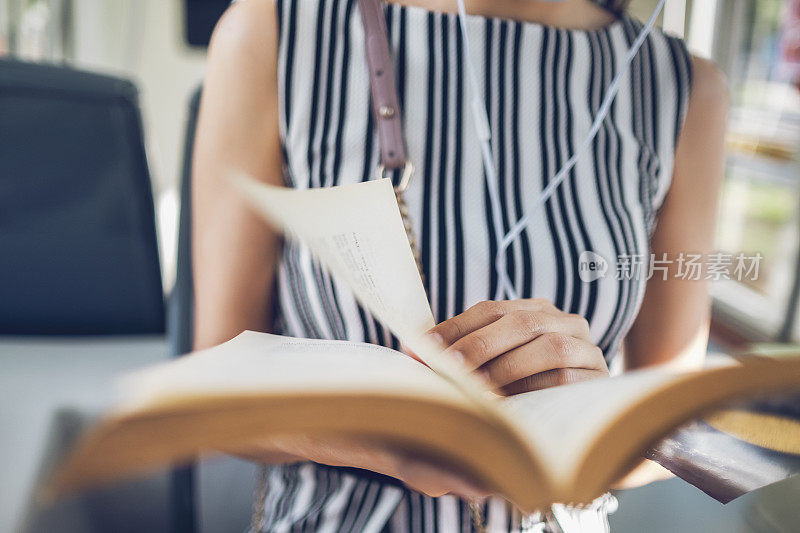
[512, 331]
[581, 326]
[552, 378]
[550, 351]
[420, 474]
[482, 314]
[436, 482]
[340, 451]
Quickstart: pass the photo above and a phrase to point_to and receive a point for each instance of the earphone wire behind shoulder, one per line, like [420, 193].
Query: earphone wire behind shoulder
[480, 120]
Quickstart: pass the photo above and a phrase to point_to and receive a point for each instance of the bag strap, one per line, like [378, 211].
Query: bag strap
[383, 87]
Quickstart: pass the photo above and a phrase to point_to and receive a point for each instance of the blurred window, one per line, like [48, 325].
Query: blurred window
[758, 45]
[36, 30]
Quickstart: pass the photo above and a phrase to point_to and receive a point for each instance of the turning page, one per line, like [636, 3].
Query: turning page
[357, 233]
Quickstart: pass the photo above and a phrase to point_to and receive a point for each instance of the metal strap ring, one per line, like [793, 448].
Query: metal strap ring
[408, 171]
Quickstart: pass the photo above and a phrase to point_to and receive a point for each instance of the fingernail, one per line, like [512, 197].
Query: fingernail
[458, 357]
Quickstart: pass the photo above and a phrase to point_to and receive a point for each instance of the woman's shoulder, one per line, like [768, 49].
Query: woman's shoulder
[247, 29]
[709, 84]
[243, 52]
[706, 79]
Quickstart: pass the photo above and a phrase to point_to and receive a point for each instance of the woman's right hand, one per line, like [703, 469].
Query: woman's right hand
[418, 474]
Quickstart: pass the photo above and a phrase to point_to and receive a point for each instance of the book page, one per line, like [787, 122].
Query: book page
[357, 233]
[243, 393]
[262, 364]
[563, 422]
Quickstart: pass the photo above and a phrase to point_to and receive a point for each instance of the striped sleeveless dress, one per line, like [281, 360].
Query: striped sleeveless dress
[542, 87]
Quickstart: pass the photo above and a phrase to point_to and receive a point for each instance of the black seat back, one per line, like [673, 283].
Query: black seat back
[78, 248]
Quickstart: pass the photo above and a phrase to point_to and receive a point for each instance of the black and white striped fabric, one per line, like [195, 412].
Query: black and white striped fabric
[542, 87]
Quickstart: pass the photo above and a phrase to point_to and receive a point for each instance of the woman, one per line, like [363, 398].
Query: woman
[286, 99]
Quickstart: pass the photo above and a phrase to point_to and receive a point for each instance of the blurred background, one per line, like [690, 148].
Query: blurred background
[142, 62]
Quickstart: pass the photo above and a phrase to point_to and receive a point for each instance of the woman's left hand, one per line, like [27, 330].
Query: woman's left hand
[522, 345]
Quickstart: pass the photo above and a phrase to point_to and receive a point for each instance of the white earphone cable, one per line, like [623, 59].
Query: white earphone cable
[505, 286]
[480, 121]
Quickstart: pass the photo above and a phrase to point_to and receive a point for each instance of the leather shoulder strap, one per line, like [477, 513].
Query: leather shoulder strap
[383, 86]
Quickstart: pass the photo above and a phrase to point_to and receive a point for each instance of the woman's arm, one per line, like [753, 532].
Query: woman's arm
[234, 252]
[672, 325]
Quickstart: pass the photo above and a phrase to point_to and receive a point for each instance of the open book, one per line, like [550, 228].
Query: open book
[566, 444]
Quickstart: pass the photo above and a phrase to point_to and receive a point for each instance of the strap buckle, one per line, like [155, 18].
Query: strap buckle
[408, 171]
